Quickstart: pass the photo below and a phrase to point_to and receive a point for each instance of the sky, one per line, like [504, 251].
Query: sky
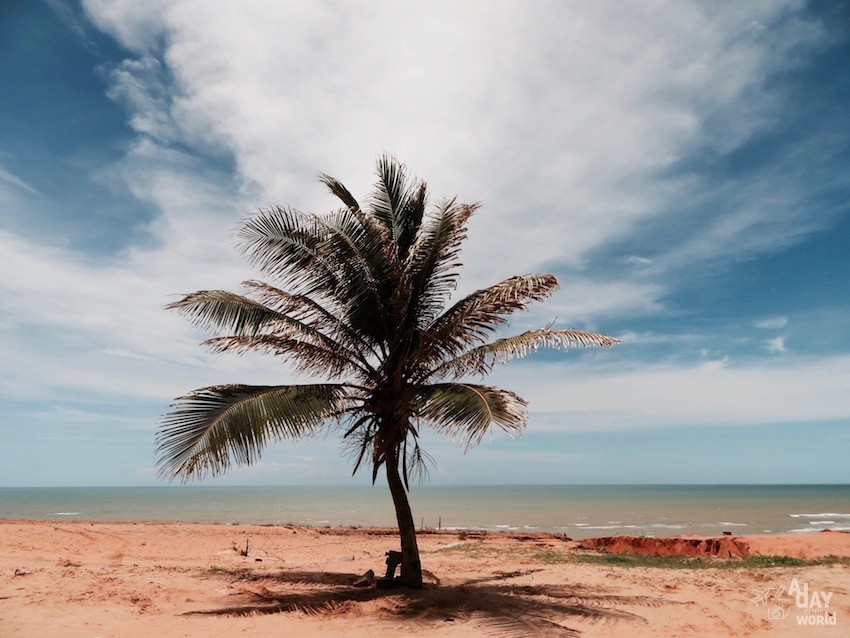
[682, 167]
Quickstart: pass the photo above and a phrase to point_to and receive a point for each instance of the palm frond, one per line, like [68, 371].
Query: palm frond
[481, 360]
[329, 257]
[359, 259]
[415, 461]
[212, 428]
[374, 228]
[431, 265]
[476, 316]
[227, 311]
[221, 310]
[391, 194]
[338, 188]
[284, 244]
[304, 356]
[411, 219]
[307, 310]
[466, 411]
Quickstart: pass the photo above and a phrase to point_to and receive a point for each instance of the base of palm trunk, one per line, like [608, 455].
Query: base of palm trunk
[408, 558]
[395, 583]
[411, 570]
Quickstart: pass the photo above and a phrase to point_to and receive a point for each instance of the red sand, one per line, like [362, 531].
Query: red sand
[819, 545]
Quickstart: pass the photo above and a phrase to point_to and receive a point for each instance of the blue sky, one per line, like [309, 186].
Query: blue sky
[683, 167]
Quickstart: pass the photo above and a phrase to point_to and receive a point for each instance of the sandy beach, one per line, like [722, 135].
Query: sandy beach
[175, 579]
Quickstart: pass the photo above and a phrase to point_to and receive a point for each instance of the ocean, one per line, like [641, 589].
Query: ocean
[579, 511]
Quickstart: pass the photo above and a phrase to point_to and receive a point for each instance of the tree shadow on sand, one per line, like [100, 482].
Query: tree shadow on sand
[498, 607]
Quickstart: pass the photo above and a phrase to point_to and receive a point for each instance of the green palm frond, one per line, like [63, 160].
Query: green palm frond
[330, 363]
[359, 258]
[481, 360]
[307, 310]
[331, 257]
[222, 310]
[432, 264]
[411, 219]
[212, 428]
[466, 411]
[284, 244]
[299, 307]
[397, 203]
[376, 230]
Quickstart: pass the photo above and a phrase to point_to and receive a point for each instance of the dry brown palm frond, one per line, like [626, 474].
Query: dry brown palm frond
[481, 360]
[338, 188]
[322, 604]
[475, 317]
[500, 576]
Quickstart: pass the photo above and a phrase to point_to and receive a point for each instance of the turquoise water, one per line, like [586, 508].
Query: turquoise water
[577, 511]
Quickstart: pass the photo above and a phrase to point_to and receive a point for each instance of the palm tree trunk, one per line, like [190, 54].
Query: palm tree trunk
[411, 567]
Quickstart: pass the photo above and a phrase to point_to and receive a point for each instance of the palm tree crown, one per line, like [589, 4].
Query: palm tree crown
[359, 297]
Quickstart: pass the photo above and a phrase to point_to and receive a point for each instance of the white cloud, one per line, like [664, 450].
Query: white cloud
[772, 323]
[136, 24]
[775, 345]
[636, 260]
[97, 327]
[17, 182]
[557, 116]
[792, 389]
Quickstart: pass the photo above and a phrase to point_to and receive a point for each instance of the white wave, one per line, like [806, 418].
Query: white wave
[65, 514]
[804, 530]
[730, 524]
[821, 515]
[821, 522]
[814, 530]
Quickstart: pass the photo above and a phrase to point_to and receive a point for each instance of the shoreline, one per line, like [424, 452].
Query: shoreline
[135, 579]
[577, 511]
[514, 532]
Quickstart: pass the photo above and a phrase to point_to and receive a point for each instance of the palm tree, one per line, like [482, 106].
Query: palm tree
[359, 299]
